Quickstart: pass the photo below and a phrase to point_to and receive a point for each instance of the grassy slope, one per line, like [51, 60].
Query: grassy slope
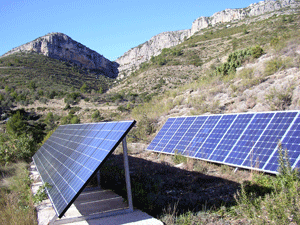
[188, 89]
[19, 69]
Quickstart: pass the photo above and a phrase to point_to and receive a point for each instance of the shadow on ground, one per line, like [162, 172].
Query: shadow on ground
[159, 187]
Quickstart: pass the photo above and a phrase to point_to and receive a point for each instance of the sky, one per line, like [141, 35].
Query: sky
[109, 27]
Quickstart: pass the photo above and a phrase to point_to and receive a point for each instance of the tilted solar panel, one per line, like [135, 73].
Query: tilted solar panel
[247, 140]
[73, 154]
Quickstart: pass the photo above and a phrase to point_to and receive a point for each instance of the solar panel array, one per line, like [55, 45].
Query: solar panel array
[73, 154]
[248, 140]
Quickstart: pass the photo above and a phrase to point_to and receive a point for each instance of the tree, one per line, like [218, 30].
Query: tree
[100, 91]
[32, 85]
[84, 88]
[50, 121]
[16, 124]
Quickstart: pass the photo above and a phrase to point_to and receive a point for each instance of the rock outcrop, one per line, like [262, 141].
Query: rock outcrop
[230, 15]
[135, 56]
[62, 47]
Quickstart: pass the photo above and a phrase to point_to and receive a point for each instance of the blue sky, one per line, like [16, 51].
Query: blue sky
[110, 27]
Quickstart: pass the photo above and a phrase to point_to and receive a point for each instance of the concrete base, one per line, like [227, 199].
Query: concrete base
[135, 218]
[93, 206]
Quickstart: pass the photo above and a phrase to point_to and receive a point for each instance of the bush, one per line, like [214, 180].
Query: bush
[84, 88]
[280, 99]
[271, 200]
[72, 98]
[179, 158]
[256, 51]
[51, 94]
[16, 206]
[75, 109]
[70, 119]
[14, 148]
[121, 108]
[16, 125]
[96, 116]
[144, 128]
[75, 120]
[236, 59]
[50, 121]
[273, 66]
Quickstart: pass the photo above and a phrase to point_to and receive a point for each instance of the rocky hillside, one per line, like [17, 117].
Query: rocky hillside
[62, 47]
[135, 56]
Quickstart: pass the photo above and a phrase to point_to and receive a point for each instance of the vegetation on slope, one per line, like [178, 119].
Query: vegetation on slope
[27, 77]
[186, 79]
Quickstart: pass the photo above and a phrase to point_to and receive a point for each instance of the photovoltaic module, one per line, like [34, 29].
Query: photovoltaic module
[246, 140]
[73, 154]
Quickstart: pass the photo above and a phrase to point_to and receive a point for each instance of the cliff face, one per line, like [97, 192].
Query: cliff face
[135, 56]
[62, 47]
[229, 15]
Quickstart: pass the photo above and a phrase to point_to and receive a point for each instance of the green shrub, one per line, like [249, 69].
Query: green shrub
[14, 148]
[41, 193]
[256, 51]
[236, 59]
[272, 200]
[51, 94]
[75, 120]
[50, 121]
[70, 119]
[32, 85]
[84, 88]
[144, 128]
[280, 99]
[16, 206]
[96, 116]
[277, 64]
[72, 98]
[16, 125]
[121, 108]
[179, 158]
[74, 109]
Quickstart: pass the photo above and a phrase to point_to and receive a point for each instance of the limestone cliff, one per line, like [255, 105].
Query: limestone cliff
[62, 47]
[229, 15]
[135, 56]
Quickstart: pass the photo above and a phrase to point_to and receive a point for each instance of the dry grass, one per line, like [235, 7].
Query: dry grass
[16, 206]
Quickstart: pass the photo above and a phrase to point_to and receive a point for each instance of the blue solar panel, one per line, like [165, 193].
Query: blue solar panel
[73, 154]
[248, 140]
[215, 136]
[231, 137]
[184, 146]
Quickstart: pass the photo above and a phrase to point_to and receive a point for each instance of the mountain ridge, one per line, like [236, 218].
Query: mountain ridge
[142, 53]
[60, 46]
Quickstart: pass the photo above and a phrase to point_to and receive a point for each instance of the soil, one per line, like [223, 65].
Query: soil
[159, 185]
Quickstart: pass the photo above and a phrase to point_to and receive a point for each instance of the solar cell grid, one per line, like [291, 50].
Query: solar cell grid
[167, 135]
[186, 143]
[160, 134]
[201, 135]
[243, 152]
[247, 140]
[73, 153]
[223, 149]
[285, 123]
[215, 137]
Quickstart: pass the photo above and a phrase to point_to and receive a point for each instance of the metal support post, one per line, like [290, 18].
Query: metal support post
[127, 175]
[52, 221]
[98, 178]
